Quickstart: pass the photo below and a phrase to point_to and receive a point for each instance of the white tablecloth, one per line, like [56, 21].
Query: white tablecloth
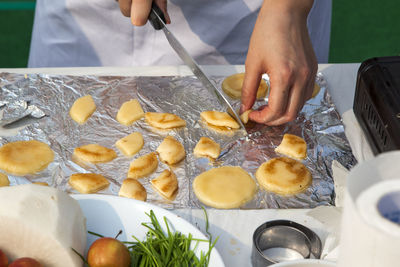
[235, 227]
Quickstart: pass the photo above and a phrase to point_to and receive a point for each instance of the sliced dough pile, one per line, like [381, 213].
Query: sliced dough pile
[171, 151]
[132, 188]
[82, 109]
[88, 183]
[4, 180]
[292, 146]
[25, 157]
[164, 120]
[42, 223]
[143, 166]
[225, 187]
[219, 119]
[166, 184]
[94, 153]
[130, 144]
[206, 147]
[284, 176]
[130, 112]
[232, 86]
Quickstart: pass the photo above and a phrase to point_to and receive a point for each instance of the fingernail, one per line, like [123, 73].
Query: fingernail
[242, 107]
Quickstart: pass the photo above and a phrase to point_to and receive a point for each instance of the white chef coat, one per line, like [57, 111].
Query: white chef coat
[73, 33]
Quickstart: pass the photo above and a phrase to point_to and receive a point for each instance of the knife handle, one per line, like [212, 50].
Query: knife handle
[155, 15]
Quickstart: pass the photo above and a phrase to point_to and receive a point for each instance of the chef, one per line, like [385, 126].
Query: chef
[283, 38]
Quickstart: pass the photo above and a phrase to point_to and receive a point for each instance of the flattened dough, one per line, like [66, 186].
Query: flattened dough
[164, 120]
[25, 157]
[129, 112]
[206, 147]
[292, 146]
[232, 86]
[88, 183]
[130, 144]
[171, 151]
[166, 184]
[284, 176]
[82, 109]
[132, 188]
[94, 153]
[220, 119]
[143, 166]
[224, 187]
[4, 180]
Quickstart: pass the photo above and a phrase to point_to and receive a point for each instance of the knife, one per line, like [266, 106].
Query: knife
[158, 21]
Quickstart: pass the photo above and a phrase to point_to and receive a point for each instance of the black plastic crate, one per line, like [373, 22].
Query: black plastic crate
[377, 102]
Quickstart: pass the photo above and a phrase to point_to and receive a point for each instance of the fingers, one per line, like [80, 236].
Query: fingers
[296, 99]
[163, 6]
[125, 7]
[252, 78]
[140, 10]
[277, 100]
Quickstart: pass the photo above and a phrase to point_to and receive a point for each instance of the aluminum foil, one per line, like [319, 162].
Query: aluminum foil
[318, 123]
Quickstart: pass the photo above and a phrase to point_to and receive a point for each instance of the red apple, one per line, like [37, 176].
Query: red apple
[25, 262]
[108, 252]
[3, 259]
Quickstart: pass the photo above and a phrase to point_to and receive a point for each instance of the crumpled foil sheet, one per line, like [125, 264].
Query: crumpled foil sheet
[318, 123]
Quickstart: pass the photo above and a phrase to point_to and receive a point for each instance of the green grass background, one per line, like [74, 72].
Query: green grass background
[360, 29]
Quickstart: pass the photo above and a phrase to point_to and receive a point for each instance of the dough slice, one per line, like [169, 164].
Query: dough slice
[4, 180]
[316, 90]
[25, 157]
[82, 109]
[166, 184]
[171, 151]
[132, 188]
[130, 144]
[164, 120]
[292, 146]
[41, 183]
[232, 86]
[143, 166]
[94, 153]
[88, 183]
[130, 112]
[206, 147]
[244, 117]
[221, 119]
[284, 176]
[224, 187]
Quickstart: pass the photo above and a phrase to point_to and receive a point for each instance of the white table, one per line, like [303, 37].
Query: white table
[235, 227]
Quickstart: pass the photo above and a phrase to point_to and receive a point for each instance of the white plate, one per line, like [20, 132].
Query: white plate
[106, 215]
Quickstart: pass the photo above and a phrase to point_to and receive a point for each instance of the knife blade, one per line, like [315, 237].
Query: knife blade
[157, 20]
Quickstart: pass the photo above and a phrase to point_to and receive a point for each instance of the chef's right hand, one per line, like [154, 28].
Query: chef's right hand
[139, 10]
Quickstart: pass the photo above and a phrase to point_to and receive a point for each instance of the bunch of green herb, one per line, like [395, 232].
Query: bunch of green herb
[168, 249]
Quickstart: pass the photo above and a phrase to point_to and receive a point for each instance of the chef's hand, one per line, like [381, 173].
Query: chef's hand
[139, 10]
[281, 47]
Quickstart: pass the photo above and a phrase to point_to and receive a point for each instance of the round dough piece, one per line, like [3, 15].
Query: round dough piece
[224, 187]
[284, 176]
[232, 86]
[25, 157]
